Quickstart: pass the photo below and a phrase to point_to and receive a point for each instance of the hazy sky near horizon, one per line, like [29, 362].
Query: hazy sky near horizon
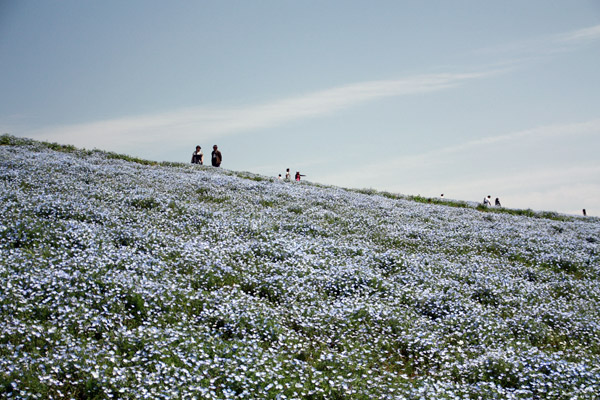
[465, 98]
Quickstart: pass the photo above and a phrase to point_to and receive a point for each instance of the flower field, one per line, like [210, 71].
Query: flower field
[122, 279]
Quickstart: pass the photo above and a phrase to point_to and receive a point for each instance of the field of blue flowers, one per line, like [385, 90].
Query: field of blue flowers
[122, 279]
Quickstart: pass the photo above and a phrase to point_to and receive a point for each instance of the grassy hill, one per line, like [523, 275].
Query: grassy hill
[122, 278]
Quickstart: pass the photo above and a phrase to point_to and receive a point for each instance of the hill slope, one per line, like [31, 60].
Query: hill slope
[124, 280]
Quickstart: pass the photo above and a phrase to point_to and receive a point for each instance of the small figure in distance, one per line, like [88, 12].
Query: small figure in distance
[498, 202]
[584, 213]
[216, 157]
[279, 177]
[487, 201]
[287, 174]
[298, 175]
[197, 156]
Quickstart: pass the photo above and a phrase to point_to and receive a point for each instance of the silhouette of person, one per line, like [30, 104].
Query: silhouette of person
[584, 213]
[216, 157]
[197, 156]
[487, 201]
[498, 202]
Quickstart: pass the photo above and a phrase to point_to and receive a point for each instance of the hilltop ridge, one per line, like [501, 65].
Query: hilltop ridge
[16, 141]
[130, 278]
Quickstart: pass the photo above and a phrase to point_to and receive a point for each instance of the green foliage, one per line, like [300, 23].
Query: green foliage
[145, 203]
[172, 164]
[176, 208]
[6, 140]
[485, 296]
[295, 209]
[134, 305]
[60, 147]
[266, 203]
[389, 265]
[9, 140]
[255, 178]
[205, 196]
[215, 279]
[525, 213]
[124, 157]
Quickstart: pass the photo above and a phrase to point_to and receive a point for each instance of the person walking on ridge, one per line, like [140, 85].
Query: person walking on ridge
[216, 157]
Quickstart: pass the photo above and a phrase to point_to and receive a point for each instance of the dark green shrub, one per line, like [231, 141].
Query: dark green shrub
[145, 203]
[485, 296]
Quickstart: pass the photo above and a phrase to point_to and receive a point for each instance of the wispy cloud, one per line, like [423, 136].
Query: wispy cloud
[524, 50]
[385, 171]
[544, 178]
[580, 36]
[206, 122]
[539, 133]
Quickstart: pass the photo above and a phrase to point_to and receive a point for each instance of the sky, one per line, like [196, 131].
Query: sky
[465, 98]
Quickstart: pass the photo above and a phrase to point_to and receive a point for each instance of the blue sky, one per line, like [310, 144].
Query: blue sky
[465, 98]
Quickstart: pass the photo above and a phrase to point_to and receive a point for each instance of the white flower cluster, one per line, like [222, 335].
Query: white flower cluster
[122, 280]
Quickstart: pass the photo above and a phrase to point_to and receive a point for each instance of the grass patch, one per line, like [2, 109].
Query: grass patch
[124, 157]
[205, 195]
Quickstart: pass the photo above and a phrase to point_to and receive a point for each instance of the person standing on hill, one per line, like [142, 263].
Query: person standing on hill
[498, 202]
[197, 156]
[216, 157]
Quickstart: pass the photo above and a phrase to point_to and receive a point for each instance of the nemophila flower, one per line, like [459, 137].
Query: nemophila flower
[127, 280]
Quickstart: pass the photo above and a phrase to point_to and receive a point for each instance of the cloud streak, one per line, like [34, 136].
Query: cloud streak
[448, 155]
[540, 133]
[580, 36]
[186, 124]
[545, 45]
